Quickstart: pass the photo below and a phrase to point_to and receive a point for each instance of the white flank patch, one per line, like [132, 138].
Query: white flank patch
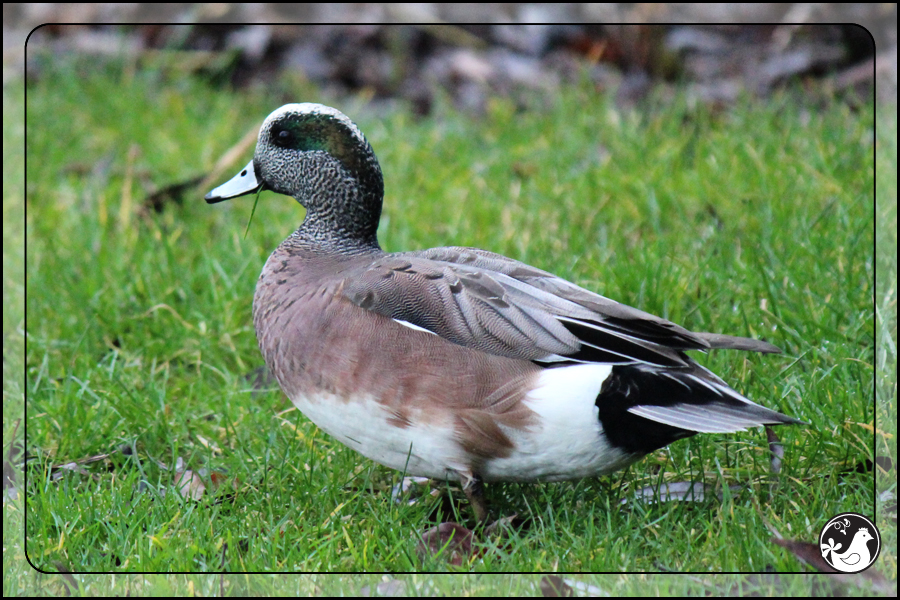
[416, 327]
[361, 423]
[568, 441]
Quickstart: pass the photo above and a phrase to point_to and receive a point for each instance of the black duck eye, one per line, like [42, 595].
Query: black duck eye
[283, 138]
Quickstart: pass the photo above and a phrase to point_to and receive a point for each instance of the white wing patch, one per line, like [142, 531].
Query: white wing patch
[416, 327]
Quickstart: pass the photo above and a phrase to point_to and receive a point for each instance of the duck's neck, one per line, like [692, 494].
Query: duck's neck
[322, 241]
[343, 197]
[347, 223]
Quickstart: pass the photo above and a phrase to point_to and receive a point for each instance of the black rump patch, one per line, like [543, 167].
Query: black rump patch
[633, 385]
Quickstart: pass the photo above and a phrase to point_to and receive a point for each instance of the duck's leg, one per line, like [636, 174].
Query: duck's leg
[474, 489]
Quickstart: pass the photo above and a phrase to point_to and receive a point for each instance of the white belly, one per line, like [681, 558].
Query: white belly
[424, 449]
[566, 440]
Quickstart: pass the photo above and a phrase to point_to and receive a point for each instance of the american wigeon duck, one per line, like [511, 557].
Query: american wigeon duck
[458, 363]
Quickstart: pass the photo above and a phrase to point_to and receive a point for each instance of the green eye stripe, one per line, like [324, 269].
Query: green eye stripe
[316, 132]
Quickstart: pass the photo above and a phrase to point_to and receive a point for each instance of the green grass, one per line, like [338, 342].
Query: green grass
[754, 221]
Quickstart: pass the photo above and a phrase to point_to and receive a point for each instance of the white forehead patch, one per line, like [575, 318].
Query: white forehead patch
[311, 108]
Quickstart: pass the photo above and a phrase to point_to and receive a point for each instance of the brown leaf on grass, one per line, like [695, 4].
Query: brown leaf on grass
[194, 484]
[190, 484]
[501, 527]
[807, 553]
[553, 586]
[452, 541]
[811, 555]
[219, 482]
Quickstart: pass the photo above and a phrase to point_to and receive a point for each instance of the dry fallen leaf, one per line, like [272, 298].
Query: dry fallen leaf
[553, 586]
[811, 555]
[189, 484]
[451, 541]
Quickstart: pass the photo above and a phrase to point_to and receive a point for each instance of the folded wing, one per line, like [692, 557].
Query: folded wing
[501, 306]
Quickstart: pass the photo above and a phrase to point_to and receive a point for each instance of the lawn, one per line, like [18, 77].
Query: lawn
[755, 220]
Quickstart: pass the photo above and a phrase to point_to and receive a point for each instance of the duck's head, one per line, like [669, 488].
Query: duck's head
[321, 158]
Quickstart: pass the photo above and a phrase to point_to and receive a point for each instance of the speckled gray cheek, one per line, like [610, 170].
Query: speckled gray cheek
[342, 211]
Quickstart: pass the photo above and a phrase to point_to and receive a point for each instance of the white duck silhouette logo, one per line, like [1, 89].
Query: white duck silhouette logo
[856, 557]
